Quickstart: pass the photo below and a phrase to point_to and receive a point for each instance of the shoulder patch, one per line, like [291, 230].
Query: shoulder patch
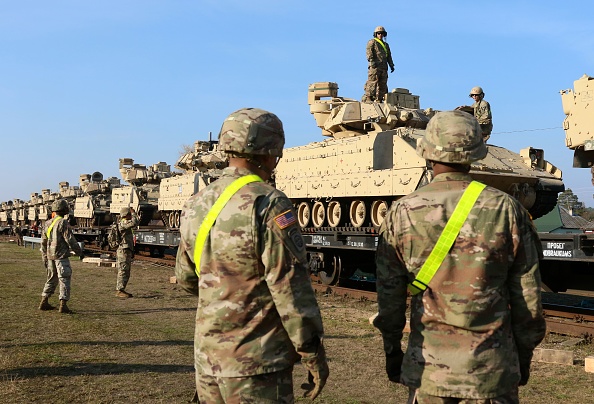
[285, 219]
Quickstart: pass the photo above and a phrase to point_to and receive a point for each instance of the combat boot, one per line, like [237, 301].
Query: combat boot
[44, 305]
[123, 294]
[64, 308]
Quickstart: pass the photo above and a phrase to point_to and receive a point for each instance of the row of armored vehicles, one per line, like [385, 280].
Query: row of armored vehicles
[156, 192]
[366, 161]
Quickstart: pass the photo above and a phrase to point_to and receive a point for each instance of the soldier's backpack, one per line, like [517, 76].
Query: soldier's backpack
[114, 237]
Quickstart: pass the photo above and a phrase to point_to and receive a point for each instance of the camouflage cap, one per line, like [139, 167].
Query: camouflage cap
[60, 205]
[452, 137]
[124, 211]
[252, 131]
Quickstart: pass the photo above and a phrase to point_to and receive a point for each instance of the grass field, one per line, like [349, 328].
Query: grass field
[140, 349]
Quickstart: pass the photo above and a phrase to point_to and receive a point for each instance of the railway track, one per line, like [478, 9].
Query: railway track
[561, 318]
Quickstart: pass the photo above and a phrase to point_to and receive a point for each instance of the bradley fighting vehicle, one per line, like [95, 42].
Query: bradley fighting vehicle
[578, 106]
[143, 192]
[69, 193]
[200, 167]
[6, 214]
[343, 186]
[92, 208]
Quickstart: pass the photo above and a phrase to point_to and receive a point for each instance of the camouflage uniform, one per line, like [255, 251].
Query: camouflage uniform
[19, 234]
[482, 112]
[125, 250]
[473, 330]
[379, 58]
[55, 251]
[257, 313]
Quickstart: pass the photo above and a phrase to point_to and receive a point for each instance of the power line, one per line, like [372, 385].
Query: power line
[527, 130]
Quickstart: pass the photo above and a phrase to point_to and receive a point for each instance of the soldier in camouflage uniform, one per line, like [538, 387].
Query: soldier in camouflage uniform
[257, 314]
[128, 220]
[57, 241]
[474, 328]
[481, 110]
[379, 57]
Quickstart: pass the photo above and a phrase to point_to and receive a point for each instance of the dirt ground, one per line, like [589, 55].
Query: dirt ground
[140, 349]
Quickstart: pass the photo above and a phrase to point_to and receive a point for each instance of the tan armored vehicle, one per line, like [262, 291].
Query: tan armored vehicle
[92, 208]
[579, 121]
[369, 160]
[201, 166]
[33, 207]
[143, 192]
[6, 214]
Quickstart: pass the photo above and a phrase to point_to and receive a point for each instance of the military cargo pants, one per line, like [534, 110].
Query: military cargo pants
[417, 397]
[376, 86]
[276, 387]
[58, 272]
[124, 258]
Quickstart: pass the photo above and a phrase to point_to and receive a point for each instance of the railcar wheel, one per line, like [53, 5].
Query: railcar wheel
[379, 209]
[332, 278]
[303, 214]
[357, 213]
[177, 218]
[334, 213]
[318, 214]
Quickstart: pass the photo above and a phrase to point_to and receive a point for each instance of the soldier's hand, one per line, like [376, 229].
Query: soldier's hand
[316, 380]
[524, 374]
[392, 69]
[394, 365]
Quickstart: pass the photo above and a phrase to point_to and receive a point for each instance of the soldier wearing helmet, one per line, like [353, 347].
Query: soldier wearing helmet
[379, 58]
[481, 110]
[242, 252]
[128, 220]
[476, 307]
[57, 241]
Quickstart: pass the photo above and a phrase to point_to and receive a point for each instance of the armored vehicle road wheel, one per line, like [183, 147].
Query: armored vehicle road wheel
[331, 278]
[318, 214]
[334, 214]
[303, 214]
[378, 212]
[357, 213]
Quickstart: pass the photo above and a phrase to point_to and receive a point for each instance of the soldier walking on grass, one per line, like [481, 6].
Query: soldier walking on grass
[469, 255]
[128, 221]
[57, 241]
[242, 252]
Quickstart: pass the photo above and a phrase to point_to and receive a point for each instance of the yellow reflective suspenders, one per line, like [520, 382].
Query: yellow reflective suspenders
[213, 213]
[51, 226]
[383, 45]
[447, 238]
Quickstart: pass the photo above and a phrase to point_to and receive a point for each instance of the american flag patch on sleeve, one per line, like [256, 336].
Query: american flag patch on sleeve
[285, 219]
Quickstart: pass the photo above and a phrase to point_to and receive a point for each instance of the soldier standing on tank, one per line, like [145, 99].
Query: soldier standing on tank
[379, 58]
[476, 313]
[57, 241]
[242, 253]
[128, 220]
[481, 110]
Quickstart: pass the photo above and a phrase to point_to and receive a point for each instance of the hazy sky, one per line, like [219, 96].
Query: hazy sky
[84, 83]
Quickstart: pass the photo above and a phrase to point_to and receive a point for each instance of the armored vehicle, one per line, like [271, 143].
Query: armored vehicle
[33, 207]
[143, 192]
[45, 208]
[200, 167]
[92, 208]
[6, 214]
[343, 186]
[579, 122]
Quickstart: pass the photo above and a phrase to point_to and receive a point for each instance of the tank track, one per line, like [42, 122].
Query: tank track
[545, 202]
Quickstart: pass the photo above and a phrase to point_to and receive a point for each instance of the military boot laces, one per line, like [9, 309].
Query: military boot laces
[44, 305]
[64, 308]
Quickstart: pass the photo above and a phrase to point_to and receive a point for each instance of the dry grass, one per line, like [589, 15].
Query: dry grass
[140, 349]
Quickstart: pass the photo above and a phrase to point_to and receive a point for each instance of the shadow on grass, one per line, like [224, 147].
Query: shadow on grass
[102, 343]
[133, 311]
[94, 369]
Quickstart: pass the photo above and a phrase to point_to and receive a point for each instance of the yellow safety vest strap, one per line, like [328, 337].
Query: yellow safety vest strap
[447, 238]
[382, 44]
[213, 213]
[51, 226]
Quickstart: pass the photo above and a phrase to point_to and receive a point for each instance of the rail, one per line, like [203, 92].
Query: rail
[31, 240]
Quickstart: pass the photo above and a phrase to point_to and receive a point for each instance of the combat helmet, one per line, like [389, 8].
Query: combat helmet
[476, 91]
[381, 29]
[452, 137]
[252, 131]
[60, 205]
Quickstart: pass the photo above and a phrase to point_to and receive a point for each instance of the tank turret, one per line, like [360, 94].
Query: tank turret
[92, 208]
[201, 166]
[369, 160]
[579, 121]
